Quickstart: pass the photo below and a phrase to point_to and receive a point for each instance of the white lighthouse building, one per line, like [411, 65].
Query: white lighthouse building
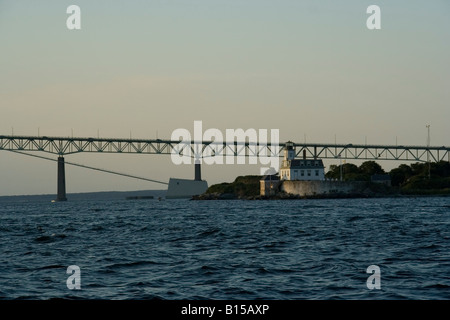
[300, 169]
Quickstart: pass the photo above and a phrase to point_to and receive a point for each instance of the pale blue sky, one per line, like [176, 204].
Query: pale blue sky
[304, 67]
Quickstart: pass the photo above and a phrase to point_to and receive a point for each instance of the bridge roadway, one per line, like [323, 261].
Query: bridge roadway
[69, 145]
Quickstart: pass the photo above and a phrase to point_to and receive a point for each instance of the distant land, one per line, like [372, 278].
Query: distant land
[89, 196]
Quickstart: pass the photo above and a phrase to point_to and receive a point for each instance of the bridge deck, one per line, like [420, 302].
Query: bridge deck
[71, 145]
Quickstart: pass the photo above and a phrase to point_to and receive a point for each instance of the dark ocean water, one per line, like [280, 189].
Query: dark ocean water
[181, 249]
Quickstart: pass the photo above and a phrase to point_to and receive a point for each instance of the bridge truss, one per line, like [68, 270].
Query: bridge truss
[66, 145]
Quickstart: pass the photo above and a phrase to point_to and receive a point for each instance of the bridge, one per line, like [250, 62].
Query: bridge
[62, 146]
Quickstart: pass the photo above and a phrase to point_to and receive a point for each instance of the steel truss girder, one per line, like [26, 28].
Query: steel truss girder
[65, 146]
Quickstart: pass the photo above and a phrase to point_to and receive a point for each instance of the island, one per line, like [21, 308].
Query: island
[341, 181]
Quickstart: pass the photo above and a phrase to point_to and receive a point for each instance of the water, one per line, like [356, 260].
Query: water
[180, 249]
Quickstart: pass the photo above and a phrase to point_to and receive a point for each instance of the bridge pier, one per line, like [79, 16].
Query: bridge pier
[61, 195]
[198, 173]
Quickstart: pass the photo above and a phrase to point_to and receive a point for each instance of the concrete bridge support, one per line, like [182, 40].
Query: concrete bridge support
[61, 196]
[198, 172]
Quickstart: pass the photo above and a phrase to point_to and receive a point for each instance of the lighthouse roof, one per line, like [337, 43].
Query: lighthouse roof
[303, 164]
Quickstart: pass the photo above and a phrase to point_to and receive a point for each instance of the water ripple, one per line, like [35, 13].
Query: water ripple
[306, 249]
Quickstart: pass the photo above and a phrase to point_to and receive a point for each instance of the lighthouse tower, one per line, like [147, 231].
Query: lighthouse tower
[289, 151]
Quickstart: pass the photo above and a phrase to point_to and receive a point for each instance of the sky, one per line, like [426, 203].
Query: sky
[311, 69]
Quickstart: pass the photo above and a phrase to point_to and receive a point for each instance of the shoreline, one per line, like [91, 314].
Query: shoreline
[229, 196]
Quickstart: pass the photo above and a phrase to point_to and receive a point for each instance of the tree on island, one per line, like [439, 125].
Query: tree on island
[400, 175]
[417, 178]
[422, 177]
[370, 168]
[351, 172]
